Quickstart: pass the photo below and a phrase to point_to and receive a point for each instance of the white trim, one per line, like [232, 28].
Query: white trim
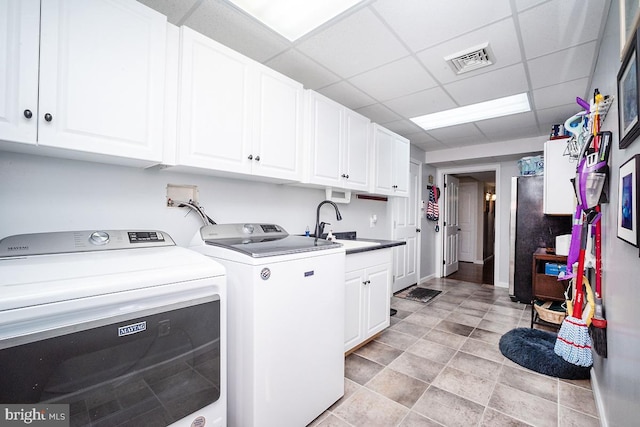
[441, 172]
[598, 398]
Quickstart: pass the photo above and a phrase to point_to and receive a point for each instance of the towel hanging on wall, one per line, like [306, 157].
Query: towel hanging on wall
[433, 212]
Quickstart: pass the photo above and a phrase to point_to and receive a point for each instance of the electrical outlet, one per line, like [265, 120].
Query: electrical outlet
[373, 220]
[181, 193]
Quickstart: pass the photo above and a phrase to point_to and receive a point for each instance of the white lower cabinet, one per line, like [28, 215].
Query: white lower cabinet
[367, 296]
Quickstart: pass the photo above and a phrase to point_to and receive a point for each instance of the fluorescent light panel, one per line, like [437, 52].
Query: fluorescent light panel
[472, 113]
[294, 18]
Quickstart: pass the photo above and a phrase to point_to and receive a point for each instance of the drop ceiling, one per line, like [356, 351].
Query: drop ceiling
[385, 59]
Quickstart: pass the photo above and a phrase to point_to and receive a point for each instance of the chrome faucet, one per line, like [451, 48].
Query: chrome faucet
[320, 225]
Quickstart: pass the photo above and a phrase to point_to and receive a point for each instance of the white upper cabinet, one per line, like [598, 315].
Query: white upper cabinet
[391, 171]
[235, 115]
[19, 41]
[559, 195]
[338, 145]
[100, 91]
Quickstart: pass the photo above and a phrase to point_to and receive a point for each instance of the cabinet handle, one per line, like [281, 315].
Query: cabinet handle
[394, 186]
[418, 230]
[366, 282]
[257, 158]
[250, 157]
[48, 117]
[345, 175]
[28, 114]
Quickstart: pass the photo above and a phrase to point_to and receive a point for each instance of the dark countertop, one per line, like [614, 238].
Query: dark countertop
[351, 235]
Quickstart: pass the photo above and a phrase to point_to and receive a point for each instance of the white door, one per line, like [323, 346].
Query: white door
[468, 221]
[19, 31]
[406, 258]
[102, 78]
[451, 226]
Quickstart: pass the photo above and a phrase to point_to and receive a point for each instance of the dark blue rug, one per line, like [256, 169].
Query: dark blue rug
[533, 349]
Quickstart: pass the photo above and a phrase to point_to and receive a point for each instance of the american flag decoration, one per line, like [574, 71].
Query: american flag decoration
[433, 213]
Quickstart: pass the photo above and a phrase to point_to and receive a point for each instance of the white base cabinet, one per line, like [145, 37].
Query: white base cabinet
[559, 195]
[391, 163]
[84, 79]
[367, 296]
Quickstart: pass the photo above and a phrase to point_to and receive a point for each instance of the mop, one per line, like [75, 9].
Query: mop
[574, 343]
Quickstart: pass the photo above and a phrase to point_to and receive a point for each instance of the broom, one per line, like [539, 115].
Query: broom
[598, 326]
[574, 343]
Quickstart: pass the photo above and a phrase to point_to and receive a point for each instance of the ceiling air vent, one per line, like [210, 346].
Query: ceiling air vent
[470, 59]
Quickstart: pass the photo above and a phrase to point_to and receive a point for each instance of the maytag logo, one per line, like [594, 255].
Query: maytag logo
[132, 329]
[18, 248]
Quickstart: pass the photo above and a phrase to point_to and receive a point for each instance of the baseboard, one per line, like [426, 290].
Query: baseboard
[429, 277]
[597, 396]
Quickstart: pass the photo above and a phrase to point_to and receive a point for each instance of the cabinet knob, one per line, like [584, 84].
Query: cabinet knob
[250, 157]
[344, 175]
[257, 158]
[28, 114]
[418, 230]
[366, 282]
[48, 117]
[394, 186]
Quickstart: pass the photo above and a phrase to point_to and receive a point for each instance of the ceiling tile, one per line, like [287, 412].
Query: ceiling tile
[174, 10]
[430, 146]
[515, 126]
[417, 23]
[570, 64]
[559, 24]
[347, 95]
[403, 127]
[424, 102]
[527, 4]
[484, 87]
[302, 69]
[561, 94]
[458, 135]
[235, 29]
[379, 113]
[503, 42]
[556, 115]
[398, 78]
[422, 137]
[354, 45]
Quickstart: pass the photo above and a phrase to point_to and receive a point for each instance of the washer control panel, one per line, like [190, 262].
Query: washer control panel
[81, 241]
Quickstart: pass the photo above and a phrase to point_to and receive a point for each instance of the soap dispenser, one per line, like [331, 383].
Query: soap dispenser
[330, 236]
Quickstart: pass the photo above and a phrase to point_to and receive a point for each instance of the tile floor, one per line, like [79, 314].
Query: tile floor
[439, 365]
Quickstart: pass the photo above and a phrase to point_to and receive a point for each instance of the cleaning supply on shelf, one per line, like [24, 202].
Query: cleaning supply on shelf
[307, 232]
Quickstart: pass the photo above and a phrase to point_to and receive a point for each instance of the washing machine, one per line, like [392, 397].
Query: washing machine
[286, 322]
[117, 327]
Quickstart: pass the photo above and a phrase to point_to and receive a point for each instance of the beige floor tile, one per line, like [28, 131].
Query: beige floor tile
[497, 327]
[493, 418]
[333, 421]
[486, 336]
[359, 369]
[396, 339]
[577, 398]
[471, 311]
[405, 304]
[569, 418]
[378, 352]
[482, 349]
[367, 408]
[524, 406]
[411, 329]
[530, 382]
[463, 384]
[423, 319]
[434, 311]
[417, 367]
[398, 387]
[476, 365]
[350, 387]
[444, 338]
[432, 351]
[448, 408]
[463, 319]
[454, 328]
[416, 420]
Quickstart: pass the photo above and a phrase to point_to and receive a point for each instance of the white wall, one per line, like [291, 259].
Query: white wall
[617, 378]
[42, 194]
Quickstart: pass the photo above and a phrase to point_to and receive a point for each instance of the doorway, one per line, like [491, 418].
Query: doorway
[474, 217]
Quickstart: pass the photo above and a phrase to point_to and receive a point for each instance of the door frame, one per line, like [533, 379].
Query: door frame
[491, 167]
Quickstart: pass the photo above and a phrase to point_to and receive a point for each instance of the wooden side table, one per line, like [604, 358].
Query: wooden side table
[546, 287]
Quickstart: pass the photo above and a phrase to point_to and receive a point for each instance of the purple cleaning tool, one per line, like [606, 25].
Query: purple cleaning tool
[584, 104]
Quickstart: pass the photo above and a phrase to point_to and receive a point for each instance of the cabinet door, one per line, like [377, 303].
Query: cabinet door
[277, 130]
[353, 309]
[325, 133]
[356, 155]
[213, 125]
[559, 195]
[19, 30]
[401, 166]
[102, 70]
[383, 171]
[378, 299]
